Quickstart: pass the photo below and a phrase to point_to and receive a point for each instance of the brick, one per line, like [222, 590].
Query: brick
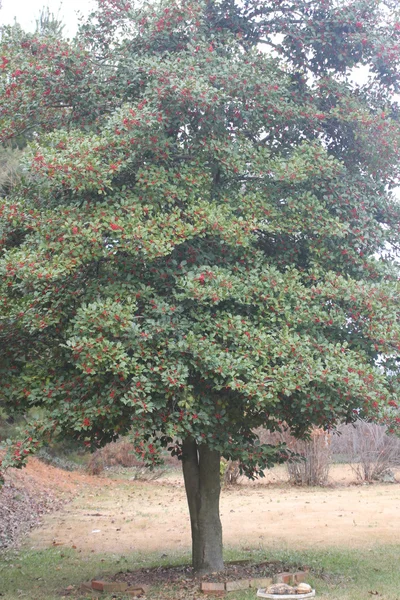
[139, 588]
[97, 584]
[240, 584]
[261, 582]
[114, 586]
[108, 586]
[299, 576]
[217, 589]
[284, 578]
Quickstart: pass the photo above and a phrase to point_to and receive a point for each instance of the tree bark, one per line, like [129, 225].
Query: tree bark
[201, 472]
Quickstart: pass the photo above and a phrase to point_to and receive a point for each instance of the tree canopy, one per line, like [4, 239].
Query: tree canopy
[204, 234]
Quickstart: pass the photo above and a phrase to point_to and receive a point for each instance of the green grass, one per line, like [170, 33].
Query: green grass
[344, 574]
[336, 574]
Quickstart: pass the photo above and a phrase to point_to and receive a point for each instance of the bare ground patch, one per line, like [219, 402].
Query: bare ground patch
[124, 516]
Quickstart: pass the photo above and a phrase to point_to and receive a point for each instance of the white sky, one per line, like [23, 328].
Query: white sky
[27, 11]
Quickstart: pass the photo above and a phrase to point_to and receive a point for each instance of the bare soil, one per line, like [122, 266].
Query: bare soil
[121, 516]
[184, 573]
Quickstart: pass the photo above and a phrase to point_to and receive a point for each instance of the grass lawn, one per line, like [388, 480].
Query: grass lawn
[336, 574]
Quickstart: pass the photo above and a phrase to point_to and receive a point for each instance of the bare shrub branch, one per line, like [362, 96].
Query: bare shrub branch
[311, 466]
[371, 452]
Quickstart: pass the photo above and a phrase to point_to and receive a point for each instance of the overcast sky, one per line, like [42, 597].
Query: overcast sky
[26, 12]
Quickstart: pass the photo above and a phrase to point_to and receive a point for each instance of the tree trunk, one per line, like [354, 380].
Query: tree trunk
[201, 472]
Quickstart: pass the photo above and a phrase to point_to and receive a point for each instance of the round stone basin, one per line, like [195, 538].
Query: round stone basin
[261, 593]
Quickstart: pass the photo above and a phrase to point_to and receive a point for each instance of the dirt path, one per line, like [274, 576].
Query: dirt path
[124, 516]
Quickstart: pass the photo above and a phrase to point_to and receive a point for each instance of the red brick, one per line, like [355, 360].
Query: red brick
[299, 576]
[284, 578]
[108, 586]
[97, 585]
[240, 584]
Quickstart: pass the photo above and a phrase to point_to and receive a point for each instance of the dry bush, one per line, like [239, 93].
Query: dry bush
[371, 452]
[115, 454]
[147, 474]
[9, 167]
[121, 454]
[311, 466]
[230, 472]
[95, 465]
[314, 461]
